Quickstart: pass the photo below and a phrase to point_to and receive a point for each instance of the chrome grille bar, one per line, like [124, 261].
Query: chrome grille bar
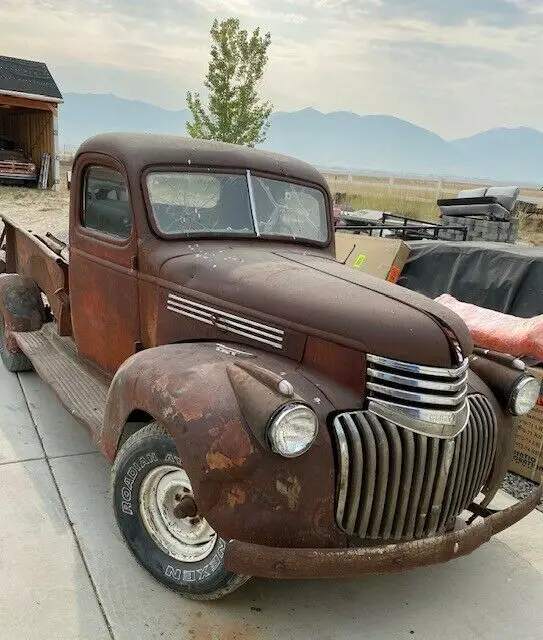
[422, 398]
[427, 400]
[394, 484]
[419, 369]
[418, 383]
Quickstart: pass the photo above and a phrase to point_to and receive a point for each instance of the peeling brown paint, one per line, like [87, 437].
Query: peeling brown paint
[220, 451]
[236, 496]
[191, 412]
[291, 489]
[219, 462]
[231, 449]
[234, 442]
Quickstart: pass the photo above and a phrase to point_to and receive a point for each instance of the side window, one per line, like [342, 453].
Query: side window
[105, 203]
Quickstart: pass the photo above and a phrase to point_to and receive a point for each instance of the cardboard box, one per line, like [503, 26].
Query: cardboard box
[381, 257]
[528, 453]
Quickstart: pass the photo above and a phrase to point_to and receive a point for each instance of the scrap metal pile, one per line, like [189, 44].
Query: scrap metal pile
[485, 214]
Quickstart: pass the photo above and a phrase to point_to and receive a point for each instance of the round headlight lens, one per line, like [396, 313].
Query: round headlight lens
[524, 396]
[293, 430]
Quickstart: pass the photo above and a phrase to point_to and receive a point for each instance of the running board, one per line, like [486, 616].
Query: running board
[77, 387]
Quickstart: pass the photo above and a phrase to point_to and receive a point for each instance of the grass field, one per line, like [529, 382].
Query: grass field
[418, 198]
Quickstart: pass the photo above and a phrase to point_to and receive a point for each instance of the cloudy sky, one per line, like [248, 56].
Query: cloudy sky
[454, 66]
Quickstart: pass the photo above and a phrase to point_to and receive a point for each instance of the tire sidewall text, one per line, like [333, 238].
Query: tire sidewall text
[196, 577]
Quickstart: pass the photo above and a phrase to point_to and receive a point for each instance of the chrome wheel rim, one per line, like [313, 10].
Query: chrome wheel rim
[187, 539]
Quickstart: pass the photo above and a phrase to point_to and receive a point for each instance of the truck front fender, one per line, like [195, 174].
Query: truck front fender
[214, 400]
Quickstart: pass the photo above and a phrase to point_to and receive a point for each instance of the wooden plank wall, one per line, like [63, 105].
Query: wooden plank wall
[32, 130]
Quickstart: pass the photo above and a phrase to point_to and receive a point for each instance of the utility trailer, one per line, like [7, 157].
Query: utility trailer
[267, 410]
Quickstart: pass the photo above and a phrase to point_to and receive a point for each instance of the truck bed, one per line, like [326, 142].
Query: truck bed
[44, 259]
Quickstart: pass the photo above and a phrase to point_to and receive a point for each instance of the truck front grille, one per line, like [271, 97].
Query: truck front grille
[429, 400]
[394, 484]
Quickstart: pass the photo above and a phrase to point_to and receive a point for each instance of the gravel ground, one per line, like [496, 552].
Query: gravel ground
[519, 487]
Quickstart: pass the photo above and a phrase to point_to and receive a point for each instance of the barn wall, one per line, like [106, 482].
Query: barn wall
[34, 132]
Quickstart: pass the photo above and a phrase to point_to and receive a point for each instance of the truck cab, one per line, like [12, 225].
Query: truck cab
[159, 213]
[268, 411]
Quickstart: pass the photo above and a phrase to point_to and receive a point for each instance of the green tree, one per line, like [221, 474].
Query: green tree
[235, 112]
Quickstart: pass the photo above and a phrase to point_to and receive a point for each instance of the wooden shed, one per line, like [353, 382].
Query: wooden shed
[29, 100]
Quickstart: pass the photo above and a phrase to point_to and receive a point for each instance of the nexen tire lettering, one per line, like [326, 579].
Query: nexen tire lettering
[198, 574]
[129, 479]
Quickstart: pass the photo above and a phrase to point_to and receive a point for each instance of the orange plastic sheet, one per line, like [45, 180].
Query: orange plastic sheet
[498, 331]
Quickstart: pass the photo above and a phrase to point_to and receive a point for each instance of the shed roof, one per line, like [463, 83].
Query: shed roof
[137, 151]
[28, 78]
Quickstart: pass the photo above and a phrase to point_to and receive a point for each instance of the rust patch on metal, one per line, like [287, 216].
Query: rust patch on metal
[233, 473]
[218, 461]
[290, 489]
[236, 496]
[273, 562]
[231, 449]
[34, 260]
[192, 413]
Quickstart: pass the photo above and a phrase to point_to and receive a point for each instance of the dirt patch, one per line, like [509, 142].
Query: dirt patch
[37, 210]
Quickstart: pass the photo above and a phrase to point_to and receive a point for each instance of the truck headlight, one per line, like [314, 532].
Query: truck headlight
[292, 430]
[524, 396]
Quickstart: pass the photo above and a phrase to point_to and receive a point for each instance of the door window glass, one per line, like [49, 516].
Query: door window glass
[105, 203]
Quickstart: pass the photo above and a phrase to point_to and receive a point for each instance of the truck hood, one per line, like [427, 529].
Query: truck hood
[315, 295]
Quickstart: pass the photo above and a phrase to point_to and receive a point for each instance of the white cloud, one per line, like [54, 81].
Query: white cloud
[440, 64]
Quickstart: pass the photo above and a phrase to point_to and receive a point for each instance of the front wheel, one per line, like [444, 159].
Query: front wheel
[158, 517]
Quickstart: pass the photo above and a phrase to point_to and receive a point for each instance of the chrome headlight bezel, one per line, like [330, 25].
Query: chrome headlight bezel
[527, 390]
[279, 422]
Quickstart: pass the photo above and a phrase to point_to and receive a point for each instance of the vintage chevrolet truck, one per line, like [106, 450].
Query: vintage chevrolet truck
[268, 411]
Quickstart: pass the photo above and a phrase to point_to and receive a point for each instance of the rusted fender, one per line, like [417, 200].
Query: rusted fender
[21, 306]
[215, 404]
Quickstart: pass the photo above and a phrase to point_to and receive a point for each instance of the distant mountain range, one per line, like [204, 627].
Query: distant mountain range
[340, 140]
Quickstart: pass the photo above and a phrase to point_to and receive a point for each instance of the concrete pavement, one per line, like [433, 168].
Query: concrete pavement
[66, 574]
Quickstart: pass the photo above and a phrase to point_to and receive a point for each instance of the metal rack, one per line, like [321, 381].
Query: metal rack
[399, 227]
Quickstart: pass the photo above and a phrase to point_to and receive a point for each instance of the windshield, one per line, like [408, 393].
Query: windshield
[192, 203]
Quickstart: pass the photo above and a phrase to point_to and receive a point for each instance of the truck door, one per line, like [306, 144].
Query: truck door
[103, 276]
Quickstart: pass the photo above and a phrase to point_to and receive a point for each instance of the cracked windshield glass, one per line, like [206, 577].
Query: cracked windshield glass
[192, 203]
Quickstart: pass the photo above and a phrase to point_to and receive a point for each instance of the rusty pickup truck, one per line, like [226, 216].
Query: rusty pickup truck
[267, 410]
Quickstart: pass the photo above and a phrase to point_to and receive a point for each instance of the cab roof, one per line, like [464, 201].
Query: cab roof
[138, 151]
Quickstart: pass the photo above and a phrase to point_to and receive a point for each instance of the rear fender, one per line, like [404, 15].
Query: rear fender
[215, 403]
[21, 306]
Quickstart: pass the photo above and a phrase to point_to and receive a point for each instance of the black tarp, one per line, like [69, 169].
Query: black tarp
[506, 278]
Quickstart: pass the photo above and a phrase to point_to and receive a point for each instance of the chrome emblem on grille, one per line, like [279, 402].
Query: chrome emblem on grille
[427, 400]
